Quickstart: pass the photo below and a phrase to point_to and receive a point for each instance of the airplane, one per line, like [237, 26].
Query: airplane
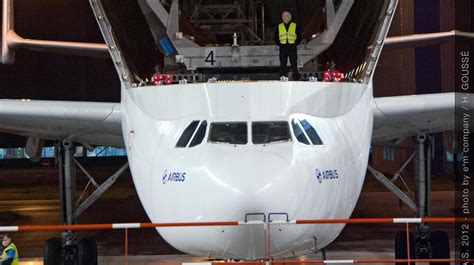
[217, 151]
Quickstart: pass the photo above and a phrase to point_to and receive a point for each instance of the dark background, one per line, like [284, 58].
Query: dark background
[47, 76]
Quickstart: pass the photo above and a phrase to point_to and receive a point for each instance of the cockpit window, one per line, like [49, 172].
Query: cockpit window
[187, 134]
[228, 132]
[305, 132]
[311, 132]
[269, 132]
[201, 132]
[299, 134]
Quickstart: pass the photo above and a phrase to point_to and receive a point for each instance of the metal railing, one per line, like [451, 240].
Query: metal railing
[266, 223]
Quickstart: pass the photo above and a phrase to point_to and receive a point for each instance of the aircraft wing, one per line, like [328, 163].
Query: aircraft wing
[92, 123]
[403, 116]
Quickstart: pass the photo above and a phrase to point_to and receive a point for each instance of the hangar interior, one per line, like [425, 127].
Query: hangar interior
[400, 71]
[420, 70]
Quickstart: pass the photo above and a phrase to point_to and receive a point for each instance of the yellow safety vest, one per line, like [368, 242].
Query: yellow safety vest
[287, 36]
[5, 256]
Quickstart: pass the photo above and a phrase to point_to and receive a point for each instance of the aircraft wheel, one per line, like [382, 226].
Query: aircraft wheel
[439, 246]
[87, 252]
[52, 251]
[401, 247]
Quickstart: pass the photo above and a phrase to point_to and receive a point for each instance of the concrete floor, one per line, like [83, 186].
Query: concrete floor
[180, 259]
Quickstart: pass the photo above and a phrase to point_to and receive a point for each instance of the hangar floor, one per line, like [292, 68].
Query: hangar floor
[29, 197]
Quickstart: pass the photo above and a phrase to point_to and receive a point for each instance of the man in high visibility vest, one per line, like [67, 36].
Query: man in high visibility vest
[288, 36]
[10, 253]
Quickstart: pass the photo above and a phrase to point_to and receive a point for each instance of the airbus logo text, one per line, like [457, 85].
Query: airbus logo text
[326, 175]
[173, 176]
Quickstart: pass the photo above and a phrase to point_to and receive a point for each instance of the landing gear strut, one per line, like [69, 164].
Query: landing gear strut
[428, 244]
[66, 250]
[424, 244]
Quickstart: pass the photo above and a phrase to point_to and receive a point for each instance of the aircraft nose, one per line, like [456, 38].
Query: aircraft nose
[251, 185]
[236, 185]
[254, 183]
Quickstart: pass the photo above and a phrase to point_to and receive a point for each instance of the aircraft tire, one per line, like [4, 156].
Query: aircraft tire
[52, 251]
[401, 247]
[439, 246]
[87, 252]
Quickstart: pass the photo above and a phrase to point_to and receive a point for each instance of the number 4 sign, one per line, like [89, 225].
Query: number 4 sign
[210, 58]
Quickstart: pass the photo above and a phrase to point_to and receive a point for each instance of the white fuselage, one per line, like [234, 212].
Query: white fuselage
[223, 182]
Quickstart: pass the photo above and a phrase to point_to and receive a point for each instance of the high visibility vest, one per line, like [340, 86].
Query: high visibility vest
[5, 256]
[287, 36]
